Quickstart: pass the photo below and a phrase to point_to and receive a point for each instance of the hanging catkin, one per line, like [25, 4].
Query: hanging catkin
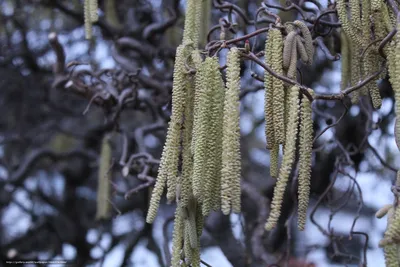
[230, 173]
[290, 42]
[187, 159]
[93, 6]
[392, 234]
[214, 144]
[168, 170]
[192, 21]
[309, 47]
[288, 158]
[203, 100]
[177, 237]
[277, 86]
[104, 177]
[346, 25]
[345, 49]
[87, 18]
[268, 95]
[306, 138]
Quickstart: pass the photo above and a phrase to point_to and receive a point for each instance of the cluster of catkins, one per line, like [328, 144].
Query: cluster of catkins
[283, 115]
[200, 162]
[90, 16]
[391, 239]
[364, 24]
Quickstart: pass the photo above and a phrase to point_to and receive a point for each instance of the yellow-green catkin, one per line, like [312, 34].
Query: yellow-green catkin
[87, 19]
[305, 153]
[366, 20]
[192, 21]
[387, 20]
[203, 100]
[292, 70]
[288, 158]
[268, 95]
[345, 49]
[355, 15]
[307, 40]
[159, 185]
[274, 161]
[277, 86]
[187, 159]
[230, 172]
[301, 49]
[190, 220]
[346, 25]
[214, 159]
[177, 237]
[355, 71]
[392, 234]
[394, 74]
[205, 22]
[392, 255]
[290, 42]
[180, 85]
[94, 6]
[104, 177]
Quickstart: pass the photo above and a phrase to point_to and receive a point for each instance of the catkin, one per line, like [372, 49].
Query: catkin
[214, 159]
[290, 42]
[366, 21]
[306, 138]
[346, 25]
[288, 158]
[278, 87]
[355, 13]
[87, 19]
[345, 48]
[355, 71]
[274, 161]
[292, 70]
[230, 173]
[392, 255]
[177, 238]
[192, 21]
[191, 210]
[268, 95]
[208, 147]
[159, 185]
[301, 49]
[187, 160]
[307, 40]
[93, 6]
[203, 99]
[396, 77]
[179, 87]
[104, 176]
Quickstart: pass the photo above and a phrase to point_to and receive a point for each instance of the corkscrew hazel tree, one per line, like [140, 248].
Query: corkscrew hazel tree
[205, 111]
